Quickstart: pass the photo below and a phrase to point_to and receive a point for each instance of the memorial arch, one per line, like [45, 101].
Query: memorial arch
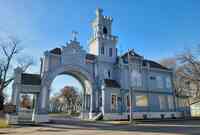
[77, 72]
[70, 60]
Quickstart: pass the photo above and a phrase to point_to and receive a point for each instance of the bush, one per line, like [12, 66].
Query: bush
[3, 123]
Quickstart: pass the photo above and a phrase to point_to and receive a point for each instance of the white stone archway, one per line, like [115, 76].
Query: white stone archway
[80, 74]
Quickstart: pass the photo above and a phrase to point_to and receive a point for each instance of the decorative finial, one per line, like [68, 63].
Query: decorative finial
[74, 35]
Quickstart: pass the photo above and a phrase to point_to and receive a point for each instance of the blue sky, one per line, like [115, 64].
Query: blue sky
[154, 28]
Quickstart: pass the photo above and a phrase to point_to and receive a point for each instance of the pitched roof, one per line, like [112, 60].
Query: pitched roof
[56, 51]
[111, 83]
[131, 53]
[30, 79]
[153, 64]
[90, 56]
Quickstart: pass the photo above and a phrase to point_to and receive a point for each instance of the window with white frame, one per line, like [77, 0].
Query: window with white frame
[136, 79]
[168, 83]
[159, 82]
[183, 102]
[141, 100]
[162, 102]
[170, 102]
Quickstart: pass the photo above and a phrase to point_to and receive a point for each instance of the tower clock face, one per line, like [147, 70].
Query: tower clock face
[105, 30]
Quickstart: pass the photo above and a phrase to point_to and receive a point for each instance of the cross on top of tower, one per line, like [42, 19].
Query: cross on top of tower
[74, 35]
[99, 11]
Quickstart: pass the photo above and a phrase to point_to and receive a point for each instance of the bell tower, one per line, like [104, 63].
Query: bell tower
[102, 42]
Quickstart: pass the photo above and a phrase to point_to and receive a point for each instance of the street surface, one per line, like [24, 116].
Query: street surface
[76, 127]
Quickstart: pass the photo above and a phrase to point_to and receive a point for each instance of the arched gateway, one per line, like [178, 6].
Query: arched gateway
[70, 59]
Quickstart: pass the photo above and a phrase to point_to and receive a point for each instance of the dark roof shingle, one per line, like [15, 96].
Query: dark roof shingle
[153, 64]
[30, 79]
[131, 53]
[111, 83]
[56, 51]
[90, 56]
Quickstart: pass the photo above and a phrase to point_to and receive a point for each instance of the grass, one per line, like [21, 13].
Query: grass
[64, 114]
[3, 123]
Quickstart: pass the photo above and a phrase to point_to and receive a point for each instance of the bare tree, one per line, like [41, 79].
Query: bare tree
[170, 62]
[9, 50]
[186, 68]
[190, 67]
[68, 100]
[178, 81]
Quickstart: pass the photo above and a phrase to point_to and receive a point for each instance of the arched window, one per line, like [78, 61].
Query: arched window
[105, 31]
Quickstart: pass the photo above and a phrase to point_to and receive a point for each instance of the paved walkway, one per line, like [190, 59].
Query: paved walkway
[99, 128]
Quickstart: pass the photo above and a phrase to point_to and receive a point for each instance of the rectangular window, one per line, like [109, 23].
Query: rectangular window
[183, 102]
[152, 77]
[162, 102]
[109, 74]
[110, 52]
[100, 101]
[159, 82]
[168, 83]
[127, 101]
[102, 50]
[170, 102]
[114, 103]
[141, 100]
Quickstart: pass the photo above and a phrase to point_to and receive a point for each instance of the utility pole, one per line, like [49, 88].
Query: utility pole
[130, 92]
[130, 108]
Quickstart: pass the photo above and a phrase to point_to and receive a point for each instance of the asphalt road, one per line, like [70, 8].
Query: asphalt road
[76, 127]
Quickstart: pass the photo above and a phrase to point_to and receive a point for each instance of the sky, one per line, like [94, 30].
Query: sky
[156, 29]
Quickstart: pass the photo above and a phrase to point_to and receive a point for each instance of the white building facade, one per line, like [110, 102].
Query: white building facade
[106, 77]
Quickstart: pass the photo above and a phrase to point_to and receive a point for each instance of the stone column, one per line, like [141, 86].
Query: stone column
[92, 103]
[16, 87]
[42, 103]
[103, 101]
